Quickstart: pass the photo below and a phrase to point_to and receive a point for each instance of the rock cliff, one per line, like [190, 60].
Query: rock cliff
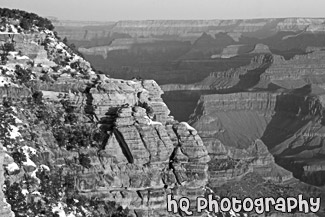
[261, 85]
[266, 71]
[273, 103]
[77, 140]
[78, 143]
[243, 131]
[296, 72]
[176, 51]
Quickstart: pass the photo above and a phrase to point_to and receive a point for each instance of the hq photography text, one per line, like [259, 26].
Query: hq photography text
[258, 205]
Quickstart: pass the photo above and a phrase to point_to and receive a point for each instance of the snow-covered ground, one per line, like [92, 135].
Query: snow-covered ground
[4, 81]
[12, 167]
[8, 29]
[189, 128]
[14, 132]
[151, 122]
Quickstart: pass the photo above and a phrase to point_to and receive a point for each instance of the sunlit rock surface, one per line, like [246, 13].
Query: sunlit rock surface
[113, 139]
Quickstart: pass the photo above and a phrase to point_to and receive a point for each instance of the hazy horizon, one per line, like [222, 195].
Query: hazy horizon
[115, 10]
[253, 18]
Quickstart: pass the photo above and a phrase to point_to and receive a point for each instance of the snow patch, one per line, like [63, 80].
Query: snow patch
[44, 167]
[13, 53]
[12, 167]
[22, 57]
[24, 192]
[14, 29]
[85, 211]
[17, 120]
[76, 58]
[28, 149]
[190, 128]
[9, 29]
[130, 82]
[29, 162]
[59, 210]
[8, 70]
[4, 81]
[14, 132]
[151, 122]
[14, 109]
[36, 193]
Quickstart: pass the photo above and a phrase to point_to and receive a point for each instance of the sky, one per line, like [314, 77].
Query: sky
[114, 10]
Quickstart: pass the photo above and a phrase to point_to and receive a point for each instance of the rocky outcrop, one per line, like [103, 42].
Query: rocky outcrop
[76, 136]
[295, 24]
[232, 51]
[232, 80]
[260, 49]
[135, 163]
[296, 72]
[82, 30]
[146, 153]
[137, 154]
[237, 136]
[5, 210]
[237, 101]
[257, 109]
[287, 124]
[113, 139]
[118, 44]
[265, 71]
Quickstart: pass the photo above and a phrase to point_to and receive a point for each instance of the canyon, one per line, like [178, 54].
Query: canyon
[171, 51]
[253, 90]
[83, 138]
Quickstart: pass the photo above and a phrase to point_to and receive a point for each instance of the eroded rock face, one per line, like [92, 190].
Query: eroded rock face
[171, 51]
[243, 131]
[296, 72]
[112, 139]
[261, 49]
[138, 152]
[5, 210]
[265, 71]
[231, 127]
[146, 153]
[274, 106]
[244, 125]
[229, 81]
[115, 139]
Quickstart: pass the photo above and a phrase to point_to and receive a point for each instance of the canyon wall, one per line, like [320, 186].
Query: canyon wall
[186, 52]
[190, 28]
[74, 135]
[137, 151]
[78, 139]
[289, 125]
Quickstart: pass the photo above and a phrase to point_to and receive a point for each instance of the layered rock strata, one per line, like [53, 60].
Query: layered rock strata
[231, 125]
[136, 154]
[187, 28]
[296, 72]
[144, 159]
